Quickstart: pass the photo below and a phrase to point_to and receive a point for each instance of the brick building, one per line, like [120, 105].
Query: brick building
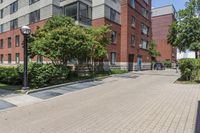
[130, 21]
[162, 18]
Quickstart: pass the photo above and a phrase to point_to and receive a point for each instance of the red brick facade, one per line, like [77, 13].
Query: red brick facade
[124, 32]
[127, 12]
[115, 47]
[128, 30]
[15, 49]
[126, 54]
[160, 26]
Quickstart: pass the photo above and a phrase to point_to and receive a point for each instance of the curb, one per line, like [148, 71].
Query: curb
[65, 84]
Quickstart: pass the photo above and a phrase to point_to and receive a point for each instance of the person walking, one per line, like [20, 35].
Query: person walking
[176, 66]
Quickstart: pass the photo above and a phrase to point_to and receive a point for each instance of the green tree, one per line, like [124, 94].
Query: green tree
[59, 40]
[153, 52]
[195, 47]
[97, 44]
[186, 31]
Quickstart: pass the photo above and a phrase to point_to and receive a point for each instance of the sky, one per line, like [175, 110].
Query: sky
[178, 4]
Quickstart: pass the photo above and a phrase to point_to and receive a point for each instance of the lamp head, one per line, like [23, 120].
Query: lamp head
[26, 30]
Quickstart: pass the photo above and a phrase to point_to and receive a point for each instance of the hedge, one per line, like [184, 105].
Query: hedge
[167, 63]
[9, 75]
[190, 69]
[39, 75]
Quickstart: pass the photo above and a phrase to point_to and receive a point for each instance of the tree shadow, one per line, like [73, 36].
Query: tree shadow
[4, 93]
[6, 90]
[197, 124]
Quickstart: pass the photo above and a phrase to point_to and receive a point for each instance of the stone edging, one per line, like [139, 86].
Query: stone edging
[65, 84]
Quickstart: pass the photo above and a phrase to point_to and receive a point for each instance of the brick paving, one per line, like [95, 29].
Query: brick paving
[150, 103]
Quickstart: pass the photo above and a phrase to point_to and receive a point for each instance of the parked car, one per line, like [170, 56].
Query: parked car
[159, 66]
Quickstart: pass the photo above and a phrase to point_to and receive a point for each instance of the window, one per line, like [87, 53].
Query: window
[144, 29]
[9, 42]
[17, 58]
[39, 59]
[112, 14]
[133, 21]
[85, 12]
[132, 40]
[144, 44]
[144, 12]
[9, 59]
[1, 43]
[1, 28]
[1, 13]
[17, 40]
[114, 37]
[33, 1]
[79, 11]
[132, 3]
[71, 10]
[13, 7]
[34, 16]
[1, 59]
[113, 58]
[13, 24]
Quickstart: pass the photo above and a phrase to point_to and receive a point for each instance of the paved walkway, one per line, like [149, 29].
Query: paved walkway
[142, 102]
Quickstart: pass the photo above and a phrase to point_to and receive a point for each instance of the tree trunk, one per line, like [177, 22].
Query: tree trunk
[196, 54]
[93, 69]
[78, 68]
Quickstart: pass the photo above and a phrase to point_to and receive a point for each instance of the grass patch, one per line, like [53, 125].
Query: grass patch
[9, 87]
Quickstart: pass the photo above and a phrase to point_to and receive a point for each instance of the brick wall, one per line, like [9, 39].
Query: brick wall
[13, 50]
[127, 30]
[160, 26]
[124, 31]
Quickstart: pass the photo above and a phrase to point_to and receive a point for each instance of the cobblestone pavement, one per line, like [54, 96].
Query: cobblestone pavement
[141, 102]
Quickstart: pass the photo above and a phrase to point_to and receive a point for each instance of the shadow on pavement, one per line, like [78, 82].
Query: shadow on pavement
[159, 74]
[4, 93]
[197, 124]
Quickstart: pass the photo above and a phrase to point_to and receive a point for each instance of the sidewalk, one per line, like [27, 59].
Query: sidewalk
[9, 100]
[139, 102]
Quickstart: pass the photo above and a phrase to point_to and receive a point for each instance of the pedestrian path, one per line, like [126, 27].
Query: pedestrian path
[19, 100]
[26, 99]
[150, 103]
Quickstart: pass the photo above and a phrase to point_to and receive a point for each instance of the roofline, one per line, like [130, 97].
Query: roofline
[165, 6]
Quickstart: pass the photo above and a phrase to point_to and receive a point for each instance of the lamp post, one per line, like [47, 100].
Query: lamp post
[26, 31]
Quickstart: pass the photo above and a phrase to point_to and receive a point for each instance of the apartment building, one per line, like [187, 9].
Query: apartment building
[130, 21]
[136, 33]
[162, 18]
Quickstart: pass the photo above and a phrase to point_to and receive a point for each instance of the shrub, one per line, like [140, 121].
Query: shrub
[9, 75]
[39, 75]
[167, 63]
[118, 71]
[190, 69]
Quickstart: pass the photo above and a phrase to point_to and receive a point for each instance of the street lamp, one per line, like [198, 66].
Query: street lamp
[26, 31]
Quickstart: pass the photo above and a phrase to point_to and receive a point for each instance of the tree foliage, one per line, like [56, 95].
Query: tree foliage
[153, 52]
[195, 47]
[61, 40]
[186, 31]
